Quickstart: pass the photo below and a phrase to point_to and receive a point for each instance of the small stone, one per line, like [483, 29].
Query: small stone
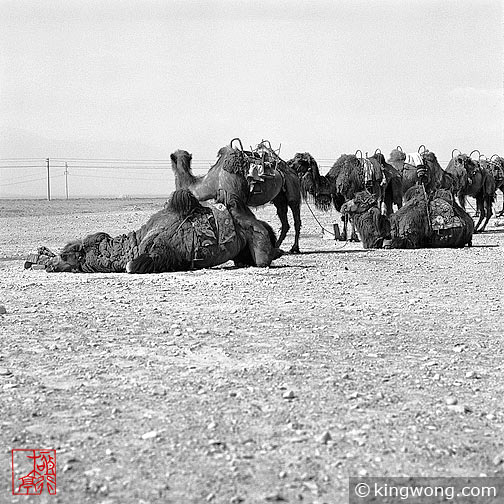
[4, 371]
[108, 452]
[324, 438]
[149, 435]
[490, 416]
[380, 395]
[498, 460]
[3, 310]
[289, 394]
[460, 408]
[282, 474]
[177, 332]
[210, 496]
[276, 497]
[451, 401]
[472, 375]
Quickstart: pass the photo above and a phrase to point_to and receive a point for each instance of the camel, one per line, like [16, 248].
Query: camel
[475, 180]
[278, 184]
[184, 235]
[495, 165]
[314, 187]
[441, 223]
[349, 175]
[420, 167]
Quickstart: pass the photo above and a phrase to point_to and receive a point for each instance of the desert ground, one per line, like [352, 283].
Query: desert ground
[247, 385]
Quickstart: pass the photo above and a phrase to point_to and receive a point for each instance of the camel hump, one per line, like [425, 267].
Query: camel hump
[182, 202]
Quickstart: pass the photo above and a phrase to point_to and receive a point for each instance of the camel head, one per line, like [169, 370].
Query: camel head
[429, 158]
[396, 155]
[464, 161]
[181, 167]
[469, 165]
[69, 260]
[304, 163]
[360, 203]
[307, 169]
[181, 155]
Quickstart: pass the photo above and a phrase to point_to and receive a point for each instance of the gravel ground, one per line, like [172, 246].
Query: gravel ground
[247, 385]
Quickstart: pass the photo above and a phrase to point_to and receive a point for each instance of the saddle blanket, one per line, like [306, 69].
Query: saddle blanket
[443, 216]
[413, 159]
[216, 226]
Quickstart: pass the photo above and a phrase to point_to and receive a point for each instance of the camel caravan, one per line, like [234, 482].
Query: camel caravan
[407, 201]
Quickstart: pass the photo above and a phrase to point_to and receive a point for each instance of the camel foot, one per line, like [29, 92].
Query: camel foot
[294, 250]
[278, 253]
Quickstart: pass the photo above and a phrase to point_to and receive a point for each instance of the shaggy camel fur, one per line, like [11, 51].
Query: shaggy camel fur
[438, 222]
[183, 235]
[228, 177]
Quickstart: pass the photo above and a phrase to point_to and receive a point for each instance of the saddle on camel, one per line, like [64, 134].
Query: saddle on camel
[261, 163]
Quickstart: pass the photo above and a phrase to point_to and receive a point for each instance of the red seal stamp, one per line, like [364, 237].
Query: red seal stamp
[32, 470]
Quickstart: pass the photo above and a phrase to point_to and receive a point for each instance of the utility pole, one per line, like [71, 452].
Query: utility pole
[66, 180]
[48, 182]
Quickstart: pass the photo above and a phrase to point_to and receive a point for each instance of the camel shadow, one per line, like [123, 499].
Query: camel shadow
[492, 231]
[336, 251]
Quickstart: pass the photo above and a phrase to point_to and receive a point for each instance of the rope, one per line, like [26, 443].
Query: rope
[427, 207]
[317, 221]
[322, 227]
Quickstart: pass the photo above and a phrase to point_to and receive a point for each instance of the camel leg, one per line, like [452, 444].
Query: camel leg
[258, 252]
[353, 234]
[501, 213]
[462, 200]
[296, 215]
[280, 203]
[487, 211]
[481, 211]
[344, 233]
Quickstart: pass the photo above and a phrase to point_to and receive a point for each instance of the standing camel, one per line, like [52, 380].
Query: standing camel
[421, 166]
[495, 165]
[349, 175]
[278, 183]
[476, 181]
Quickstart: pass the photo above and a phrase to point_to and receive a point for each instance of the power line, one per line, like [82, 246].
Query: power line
[31, 180]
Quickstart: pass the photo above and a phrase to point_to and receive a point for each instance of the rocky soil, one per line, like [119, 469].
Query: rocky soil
[247, 385]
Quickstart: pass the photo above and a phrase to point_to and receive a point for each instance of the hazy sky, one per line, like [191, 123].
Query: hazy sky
[140, 79]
